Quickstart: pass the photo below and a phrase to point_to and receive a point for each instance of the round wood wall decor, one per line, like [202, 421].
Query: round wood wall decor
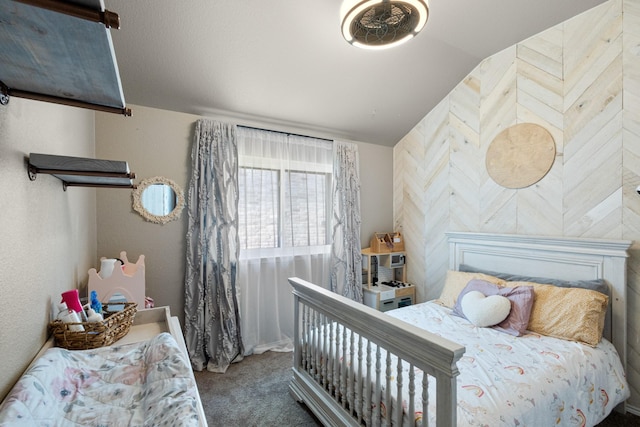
[520, 155]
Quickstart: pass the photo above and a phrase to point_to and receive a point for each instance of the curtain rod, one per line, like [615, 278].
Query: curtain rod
[285, 133]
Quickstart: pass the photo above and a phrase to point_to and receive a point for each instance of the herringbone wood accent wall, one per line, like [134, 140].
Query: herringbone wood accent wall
[581, 81]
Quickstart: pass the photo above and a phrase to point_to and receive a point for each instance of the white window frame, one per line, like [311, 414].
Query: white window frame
[254, 162]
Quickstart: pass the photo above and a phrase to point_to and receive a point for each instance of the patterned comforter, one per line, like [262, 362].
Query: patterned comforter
[139, 384]
[531, 380]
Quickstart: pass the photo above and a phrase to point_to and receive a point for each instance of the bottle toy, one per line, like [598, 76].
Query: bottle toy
[69, 316]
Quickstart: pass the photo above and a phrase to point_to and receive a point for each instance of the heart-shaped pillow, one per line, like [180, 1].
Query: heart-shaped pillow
[485, 311]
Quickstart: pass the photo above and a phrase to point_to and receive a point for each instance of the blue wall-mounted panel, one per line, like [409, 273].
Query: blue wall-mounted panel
[58, 55]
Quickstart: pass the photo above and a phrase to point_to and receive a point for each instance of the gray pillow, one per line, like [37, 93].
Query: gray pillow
[599, 285]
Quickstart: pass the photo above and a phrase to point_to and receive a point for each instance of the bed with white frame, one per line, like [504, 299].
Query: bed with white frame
[386, 357]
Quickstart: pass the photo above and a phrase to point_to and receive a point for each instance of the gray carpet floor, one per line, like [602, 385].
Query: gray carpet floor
[255, 393]
[252, 393]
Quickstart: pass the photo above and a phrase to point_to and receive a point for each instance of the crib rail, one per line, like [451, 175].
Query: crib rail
[330, 330]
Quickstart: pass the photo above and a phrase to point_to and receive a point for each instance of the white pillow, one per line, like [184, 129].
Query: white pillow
[485, 311]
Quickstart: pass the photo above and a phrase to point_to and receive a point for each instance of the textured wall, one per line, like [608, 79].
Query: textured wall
[48, 236]
[155, 143]
[581, 81]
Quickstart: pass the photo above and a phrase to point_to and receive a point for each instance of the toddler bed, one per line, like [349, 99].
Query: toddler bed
[353, 364]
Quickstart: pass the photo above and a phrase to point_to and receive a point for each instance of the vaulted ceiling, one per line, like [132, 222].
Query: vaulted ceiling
[284, 63]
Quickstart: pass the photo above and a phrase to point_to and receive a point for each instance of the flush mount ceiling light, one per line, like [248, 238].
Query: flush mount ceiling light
[380, 24]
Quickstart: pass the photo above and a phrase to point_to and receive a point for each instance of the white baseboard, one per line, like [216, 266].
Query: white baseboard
[634, 410]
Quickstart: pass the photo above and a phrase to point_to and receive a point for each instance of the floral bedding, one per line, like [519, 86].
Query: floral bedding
[138, 384]
[532, 380]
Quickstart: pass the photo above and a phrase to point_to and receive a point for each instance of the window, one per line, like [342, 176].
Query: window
[258, 208]
[284, 190]
[305, 211]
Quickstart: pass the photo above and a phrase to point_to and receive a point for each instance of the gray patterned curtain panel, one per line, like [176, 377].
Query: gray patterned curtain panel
[346, 257]
[212, 319]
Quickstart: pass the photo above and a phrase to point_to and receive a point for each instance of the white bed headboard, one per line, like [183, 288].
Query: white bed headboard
[565, 258]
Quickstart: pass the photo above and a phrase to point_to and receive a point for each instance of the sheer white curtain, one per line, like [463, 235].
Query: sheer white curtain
[284, 229]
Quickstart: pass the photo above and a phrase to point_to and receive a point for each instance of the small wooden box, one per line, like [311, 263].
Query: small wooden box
[387, 242]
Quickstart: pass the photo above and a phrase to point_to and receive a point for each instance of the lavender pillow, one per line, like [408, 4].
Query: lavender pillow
[521, 298]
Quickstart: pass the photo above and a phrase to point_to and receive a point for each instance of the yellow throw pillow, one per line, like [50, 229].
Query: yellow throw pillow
[456, 282]
[568, 313]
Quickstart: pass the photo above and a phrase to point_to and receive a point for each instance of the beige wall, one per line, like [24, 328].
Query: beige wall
[158, 142]
[154, 143]
[581, 81]
[376, 189]
[48, 235]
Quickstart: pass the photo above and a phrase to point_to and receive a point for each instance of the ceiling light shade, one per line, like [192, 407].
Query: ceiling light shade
[380, 24]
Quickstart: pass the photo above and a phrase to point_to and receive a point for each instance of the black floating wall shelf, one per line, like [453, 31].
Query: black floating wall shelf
[81, 171]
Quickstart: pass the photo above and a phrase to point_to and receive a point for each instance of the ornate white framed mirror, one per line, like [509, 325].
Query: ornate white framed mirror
[158, 199]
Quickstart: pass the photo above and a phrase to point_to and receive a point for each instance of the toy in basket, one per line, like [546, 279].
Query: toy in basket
[116, 324]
